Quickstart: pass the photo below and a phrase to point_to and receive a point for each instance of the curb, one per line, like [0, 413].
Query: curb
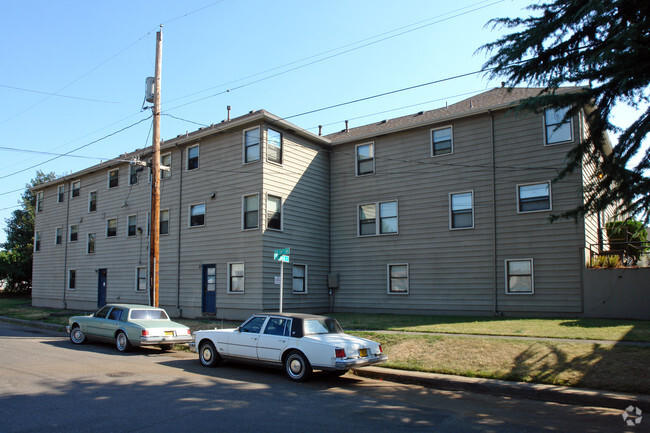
[531, 391]
[33, 324]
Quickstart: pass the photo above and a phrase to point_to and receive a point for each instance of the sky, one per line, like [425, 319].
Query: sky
[73, 73]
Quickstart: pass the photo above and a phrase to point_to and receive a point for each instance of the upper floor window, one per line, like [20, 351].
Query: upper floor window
[299, 279]
[519, 276]
[74, 233]
[134, 171]
[58, 236]
[60, 193]
[534, 197]
[378, 218]
[166, 165]
[442, 141]
[131, 225]
[250, 216]
[90, 245]
[111, 227]
[365, 159]
[113, 178]
[164, 222]
[558, 130]
[92, 201]
[461, 210]
[193, 157]
[274, 212]
[39, 201]
[75, 188]
[236, 277]
[398, 278]
[252, 145]
[37, 241]
[197, 215]
[274, 146]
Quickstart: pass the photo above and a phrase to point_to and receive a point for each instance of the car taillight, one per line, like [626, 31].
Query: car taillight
[145, 333]
[340, 353]
[380, 349]
[189, 332]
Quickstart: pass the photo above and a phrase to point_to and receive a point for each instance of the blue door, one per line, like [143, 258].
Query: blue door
[209, 287]
[101, 287]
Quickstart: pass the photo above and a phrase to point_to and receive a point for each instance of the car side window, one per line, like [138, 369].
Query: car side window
[254, 325]
[103, 312]
[277, 326]
[115, 314]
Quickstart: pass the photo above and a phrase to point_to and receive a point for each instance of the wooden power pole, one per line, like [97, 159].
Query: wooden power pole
[154, 238]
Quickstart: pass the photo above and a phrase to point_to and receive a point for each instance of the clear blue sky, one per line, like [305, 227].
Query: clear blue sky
[287, 57]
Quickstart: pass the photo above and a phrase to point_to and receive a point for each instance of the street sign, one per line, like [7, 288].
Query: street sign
[279, 255]
[283, 259]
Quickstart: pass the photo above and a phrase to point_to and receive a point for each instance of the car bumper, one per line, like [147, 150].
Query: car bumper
[192, 347]
[67, 328]
[346, 364]
[154, 341]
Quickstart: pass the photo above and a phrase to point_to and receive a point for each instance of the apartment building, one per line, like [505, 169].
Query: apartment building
[443, 211]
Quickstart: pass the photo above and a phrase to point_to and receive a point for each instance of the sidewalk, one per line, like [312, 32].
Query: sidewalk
[531, 391]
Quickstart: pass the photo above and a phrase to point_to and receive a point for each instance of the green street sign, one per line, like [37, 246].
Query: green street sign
[279, 255]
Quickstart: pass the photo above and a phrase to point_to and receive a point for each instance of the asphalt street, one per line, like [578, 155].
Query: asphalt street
[48, 384]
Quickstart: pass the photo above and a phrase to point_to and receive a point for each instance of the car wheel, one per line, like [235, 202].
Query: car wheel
[122, 342]
[208, 354]
[297, 367]
[166, 346]
[77, 336]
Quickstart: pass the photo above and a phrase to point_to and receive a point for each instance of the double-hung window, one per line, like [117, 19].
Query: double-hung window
[39, 201]
[519, 276]
[534, 197]
[193, 157]
[131, 225]
[252, 145]
[377, 218]
[461, 210]
[60, 193]
[141, 279]
[274, 146]
[557, 129]
[250, 214]
[74, 233]
[58, 236]
[90, 245]
[274, 212]
[235, 277]
[37, 241]
[72, 279]
[299, 279]
[442, 141]
[365, 159]
[197, 215]
[164, 222]
[75, 188]
[111, 227]
[134, 170]
[92, 201]
[166, 162]
[398, 279]
[113, 178]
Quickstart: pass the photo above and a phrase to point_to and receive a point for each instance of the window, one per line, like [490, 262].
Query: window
[193, 157]
[274, 212]
[164, 222]
[58, 236]
[251, 210]
[166, 161]
[111, 227]
[519, 276]
[398, 279]
[254, 325]
[365, 156]
[75, 188]
[113, 178]
[92, 201]
[115, 314]
[534, 197]
[278, 326]
[134, 171]
[72, 279]
[37, 241]
[141, 279]
[252, 145]
[90, 246]
[60, 193]
[39, 201]
[557, 130]
[299, 279]
[442, 141]
[274, 146]
[74, 233]
[370, 225]
[236, 277]
[197, 215]
[461, 209]
[131, 225]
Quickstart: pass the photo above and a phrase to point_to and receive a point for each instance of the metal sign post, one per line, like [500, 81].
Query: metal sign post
[281, 256]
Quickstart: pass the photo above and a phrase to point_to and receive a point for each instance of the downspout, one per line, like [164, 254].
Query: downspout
[494, 217]
[178, 248]
[65, 253]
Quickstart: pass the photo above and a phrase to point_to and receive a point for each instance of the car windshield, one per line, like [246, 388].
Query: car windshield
[149, 315]
[322, 326]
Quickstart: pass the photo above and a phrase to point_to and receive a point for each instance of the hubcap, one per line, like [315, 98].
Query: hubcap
[295, 365]
[78, 335]
[207, 354]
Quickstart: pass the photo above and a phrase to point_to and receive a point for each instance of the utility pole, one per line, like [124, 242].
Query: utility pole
[154, 231]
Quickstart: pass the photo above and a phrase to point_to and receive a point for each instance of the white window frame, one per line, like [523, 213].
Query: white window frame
[451, 212]
[546, 126]
[116, 227]
[243, 212]
[88, 243]
[70, 272]
[73, 189]
[229, 266]
[266, 216]
[198, 157]
[305, 279]
[550, 197]
[259, 145]
[281, 146]
[388, 279]
[166, 174]
[189, 214]
[90, 193]
[38, 239]
[138, 278]
[168, 222]
[58, 231]
[532, 277]
[70, 233]
[60, 194]
[108, 179]
[431, 131]
[378, 218]
[356, 158]
[39, 201]
[128, 225]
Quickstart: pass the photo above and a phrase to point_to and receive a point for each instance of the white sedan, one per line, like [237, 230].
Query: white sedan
[299, 343]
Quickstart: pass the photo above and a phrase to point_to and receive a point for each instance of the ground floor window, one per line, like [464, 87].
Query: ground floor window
[141, 279]
[519, 276]
[236, 277]
[72, 279]
[299, 279]
[398, 279]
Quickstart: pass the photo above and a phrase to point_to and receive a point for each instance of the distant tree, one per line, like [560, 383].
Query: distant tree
[603, 46]
[16, 259]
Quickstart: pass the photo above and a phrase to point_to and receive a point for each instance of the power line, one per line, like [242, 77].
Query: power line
[60, 96]
[40, 152]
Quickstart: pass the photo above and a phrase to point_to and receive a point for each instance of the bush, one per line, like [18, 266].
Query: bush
[630, 236]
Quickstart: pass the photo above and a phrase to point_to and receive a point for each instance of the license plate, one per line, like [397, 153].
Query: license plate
[363, 353]
[169, 333]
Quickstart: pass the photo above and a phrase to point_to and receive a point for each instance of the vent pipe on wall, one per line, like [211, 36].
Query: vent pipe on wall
[228, 108]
